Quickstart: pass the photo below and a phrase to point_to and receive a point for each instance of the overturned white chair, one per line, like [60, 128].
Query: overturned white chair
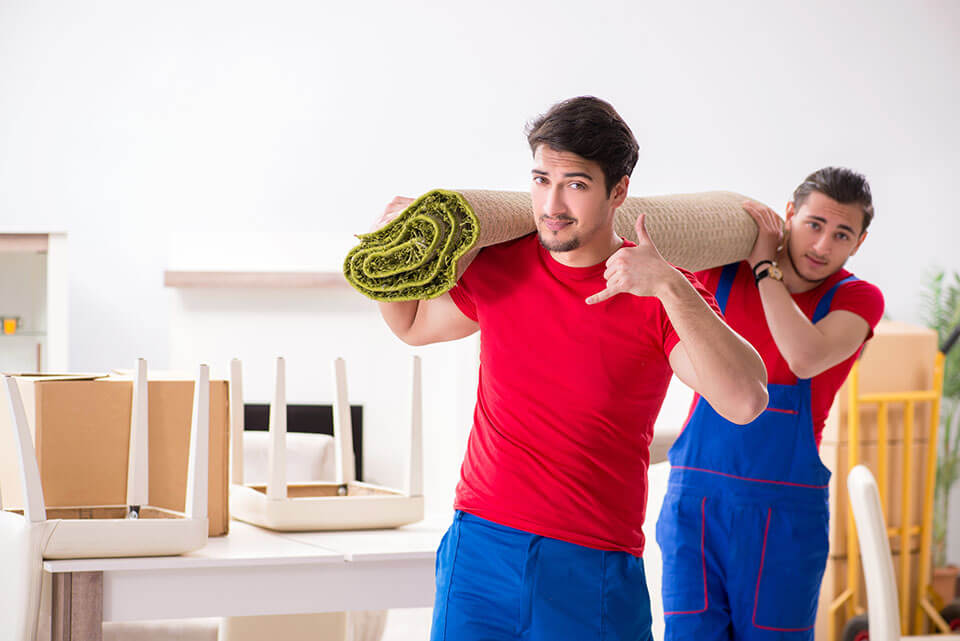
[34, 533]
[316, 504]
[341, 504]
[883, 607]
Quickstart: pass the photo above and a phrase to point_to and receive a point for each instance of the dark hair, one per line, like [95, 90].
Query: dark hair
[592, 129]
[842, 185]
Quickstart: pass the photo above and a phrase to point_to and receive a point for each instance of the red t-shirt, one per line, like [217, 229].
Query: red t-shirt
[567, 398]
[744, 314]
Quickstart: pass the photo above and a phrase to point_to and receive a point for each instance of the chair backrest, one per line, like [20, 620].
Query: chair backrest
[882, 602]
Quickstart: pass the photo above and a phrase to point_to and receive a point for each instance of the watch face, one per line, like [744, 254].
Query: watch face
[775, 273]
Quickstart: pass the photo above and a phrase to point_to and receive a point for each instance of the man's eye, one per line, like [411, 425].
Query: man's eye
[577, 185]
[539, 180]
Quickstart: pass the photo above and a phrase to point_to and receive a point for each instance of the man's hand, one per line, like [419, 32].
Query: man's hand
[392, 210]
[769, 232]
[639, 270]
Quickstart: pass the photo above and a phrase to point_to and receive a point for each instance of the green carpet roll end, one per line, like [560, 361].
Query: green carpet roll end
[414, 256]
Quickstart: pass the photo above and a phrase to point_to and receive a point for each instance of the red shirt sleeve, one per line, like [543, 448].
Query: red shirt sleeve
[670, 338]
[463, 296]
[861, 298]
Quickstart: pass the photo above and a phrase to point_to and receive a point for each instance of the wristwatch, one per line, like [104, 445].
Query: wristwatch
[767, 268]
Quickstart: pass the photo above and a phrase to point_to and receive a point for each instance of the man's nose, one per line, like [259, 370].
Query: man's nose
[554, 204]
[823, 245]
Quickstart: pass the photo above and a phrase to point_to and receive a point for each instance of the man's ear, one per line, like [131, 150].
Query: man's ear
[863, 237]
[789, 212]
[619, 192]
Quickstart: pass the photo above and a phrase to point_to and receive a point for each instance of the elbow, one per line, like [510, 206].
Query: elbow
[744, 404]
[750, 404]
[803, 367]
[413, 340]
[756, 404]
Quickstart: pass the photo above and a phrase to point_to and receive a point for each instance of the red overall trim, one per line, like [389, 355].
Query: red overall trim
[774, 409]
[703, 558]
[743, 478]
[756, 595]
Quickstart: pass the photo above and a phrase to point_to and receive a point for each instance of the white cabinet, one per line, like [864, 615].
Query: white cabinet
[33, 302]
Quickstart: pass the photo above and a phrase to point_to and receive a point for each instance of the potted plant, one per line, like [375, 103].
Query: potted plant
[942, 314]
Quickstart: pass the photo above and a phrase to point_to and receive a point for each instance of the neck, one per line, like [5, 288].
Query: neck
[589, 255]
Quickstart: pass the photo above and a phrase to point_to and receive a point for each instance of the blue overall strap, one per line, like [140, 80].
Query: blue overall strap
[823, 307]
[726, 283]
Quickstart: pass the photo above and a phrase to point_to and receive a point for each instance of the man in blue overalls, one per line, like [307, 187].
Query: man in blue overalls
[744, 525]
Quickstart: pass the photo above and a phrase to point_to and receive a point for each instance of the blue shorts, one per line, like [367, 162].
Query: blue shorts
[497, 583]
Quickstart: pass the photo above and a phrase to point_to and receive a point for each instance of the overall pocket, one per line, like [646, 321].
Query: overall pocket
[681, 532]
[792, 562]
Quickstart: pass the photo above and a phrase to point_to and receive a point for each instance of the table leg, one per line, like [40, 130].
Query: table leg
[77, 606]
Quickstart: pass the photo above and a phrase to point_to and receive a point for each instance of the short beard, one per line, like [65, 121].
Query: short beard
[567, 246]
[796, 271]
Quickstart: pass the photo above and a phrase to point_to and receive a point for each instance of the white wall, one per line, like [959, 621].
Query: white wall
[134, 126]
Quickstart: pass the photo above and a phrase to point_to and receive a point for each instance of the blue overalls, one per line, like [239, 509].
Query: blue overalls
[744, 526]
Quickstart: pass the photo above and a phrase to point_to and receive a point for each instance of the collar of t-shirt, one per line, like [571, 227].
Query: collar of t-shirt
[566, 272]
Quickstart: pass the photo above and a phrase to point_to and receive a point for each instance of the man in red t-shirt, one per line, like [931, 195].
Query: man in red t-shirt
[580, 332]
[743, 528]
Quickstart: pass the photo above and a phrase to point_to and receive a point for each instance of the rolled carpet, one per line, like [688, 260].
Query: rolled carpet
[421, 253]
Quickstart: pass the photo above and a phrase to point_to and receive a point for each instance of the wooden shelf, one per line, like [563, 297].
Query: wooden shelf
[24, 242]
[259, 279]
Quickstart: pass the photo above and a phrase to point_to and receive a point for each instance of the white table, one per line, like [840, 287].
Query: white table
[251, 571]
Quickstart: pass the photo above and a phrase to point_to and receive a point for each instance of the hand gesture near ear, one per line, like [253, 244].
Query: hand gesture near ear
[639, 270]
[769, 232]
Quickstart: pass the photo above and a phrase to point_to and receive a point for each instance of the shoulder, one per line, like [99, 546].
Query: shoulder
[858, 287]
[858, 296]
[506, 253]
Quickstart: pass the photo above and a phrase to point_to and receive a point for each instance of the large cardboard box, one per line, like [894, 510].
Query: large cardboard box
[899, 358]
[81, 432]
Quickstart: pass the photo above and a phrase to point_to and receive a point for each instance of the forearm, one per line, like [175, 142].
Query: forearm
[800, 342]
[729, 372]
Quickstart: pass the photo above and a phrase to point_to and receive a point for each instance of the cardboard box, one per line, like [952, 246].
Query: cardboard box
[81, 432]
[899, 358]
